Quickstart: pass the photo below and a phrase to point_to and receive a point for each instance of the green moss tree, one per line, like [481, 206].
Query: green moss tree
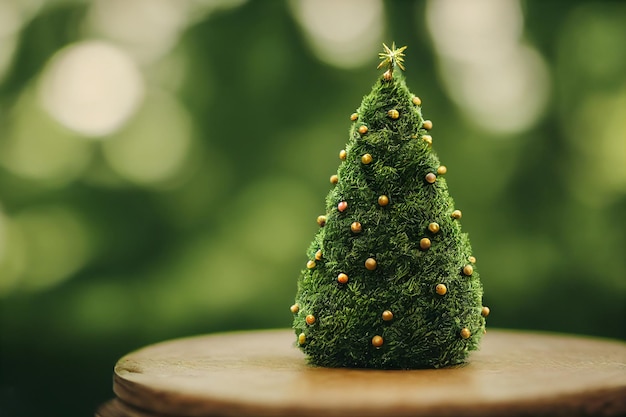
[390, 282]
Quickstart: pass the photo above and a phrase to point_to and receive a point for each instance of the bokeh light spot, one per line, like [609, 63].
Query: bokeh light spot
[467, 29]
[91, 87]
[499, 82]
[504, 94]
[36, 147]
[10, 20]
[57, 244]
[345, 33]
[600, 151]
[161, 23]
[154, 147]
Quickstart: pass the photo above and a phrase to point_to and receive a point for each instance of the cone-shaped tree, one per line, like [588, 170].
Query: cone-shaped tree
[390, 281]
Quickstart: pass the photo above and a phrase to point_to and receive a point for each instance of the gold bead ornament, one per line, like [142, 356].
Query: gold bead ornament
[472, 259]
[427, 124]
[363, 129]
[310, 319]
[393, 113]
[428, 139]
[441, 289]
[387, 315]
[431, 178]
[295, 308]
[321, 220]
[434, 227]
[334, 179]
[377, 341]
[354, 116]
[318, 255]
[465, 333]
[485, 311]
[468, 270]
[417, 101]
[310, 264]
[425, 243]
[383, 200]
[371, 264]
[456, 214]
[301, 338]
[442, 169]
[342, 278]
[367, 159]
[387, 75]
[356, 227]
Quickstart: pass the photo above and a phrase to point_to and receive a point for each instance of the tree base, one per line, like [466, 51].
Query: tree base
[261, 373]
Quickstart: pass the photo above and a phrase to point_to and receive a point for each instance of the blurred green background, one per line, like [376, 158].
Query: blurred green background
[162, 164]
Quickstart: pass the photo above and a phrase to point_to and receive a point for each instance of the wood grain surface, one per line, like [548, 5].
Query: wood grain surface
[261, 373]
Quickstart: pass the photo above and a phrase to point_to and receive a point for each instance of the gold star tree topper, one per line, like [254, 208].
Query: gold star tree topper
[391, 58]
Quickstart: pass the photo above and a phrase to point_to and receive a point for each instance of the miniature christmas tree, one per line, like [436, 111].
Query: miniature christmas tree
[390, 282]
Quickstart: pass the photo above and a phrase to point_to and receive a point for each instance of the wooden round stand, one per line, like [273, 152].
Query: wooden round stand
[261, 373]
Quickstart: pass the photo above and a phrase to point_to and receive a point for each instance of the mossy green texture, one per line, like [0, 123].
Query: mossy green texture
[428, 330]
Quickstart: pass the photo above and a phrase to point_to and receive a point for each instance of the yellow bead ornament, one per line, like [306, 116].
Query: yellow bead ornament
[387, 315]
[465, 333]
[371, 264]
[294, 308]
[441, 289]
[425, 243]
[442, 169]
[334, 179]
[366, 159]
[434, 227]
[363, 129]
[431, 178]
[321, 220]
[468, 270]
[318, 255]
[485, 311]
[456, 214]
[354, 116]
[343, 154]
[377, 341]
[310, 264]
[356, 227]
[427, 124]
[393, 113]
[302, 338]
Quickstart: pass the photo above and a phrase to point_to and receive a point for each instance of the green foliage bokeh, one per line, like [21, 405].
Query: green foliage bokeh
[195, 214]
